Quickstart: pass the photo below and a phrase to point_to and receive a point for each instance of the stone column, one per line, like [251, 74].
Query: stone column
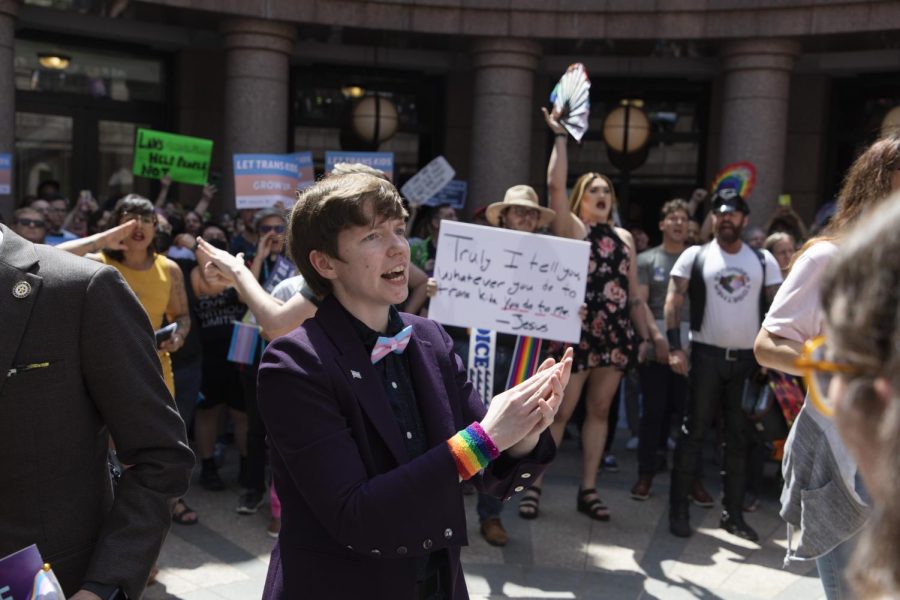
[9, 10]
[257, 72]
[502, 114]
[754, 114]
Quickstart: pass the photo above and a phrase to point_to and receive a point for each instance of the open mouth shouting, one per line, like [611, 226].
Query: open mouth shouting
[397, 275]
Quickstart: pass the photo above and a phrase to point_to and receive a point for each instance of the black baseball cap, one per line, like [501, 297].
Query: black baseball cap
[728, 200]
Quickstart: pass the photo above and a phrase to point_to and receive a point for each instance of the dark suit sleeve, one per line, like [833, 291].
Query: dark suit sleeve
[305, 417]
[123, 377]
[506, 475]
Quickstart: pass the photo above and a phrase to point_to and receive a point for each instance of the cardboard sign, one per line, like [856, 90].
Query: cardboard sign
[383, 161]
[454, 194]
[261, 180]
[509, 281]
[429, 181]
[185, 159]
[5, 173]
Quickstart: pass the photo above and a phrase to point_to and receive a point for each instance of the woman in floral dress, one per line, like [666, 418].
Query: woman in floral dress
[609, 344]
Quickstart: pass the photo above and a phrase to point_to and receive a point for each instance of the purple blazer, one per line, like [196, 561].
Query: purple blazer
[356, 511]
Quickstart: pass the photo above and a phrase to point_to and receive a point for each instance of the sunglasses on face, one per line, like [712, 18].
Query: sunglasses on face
[264, 229]
[819, 372]
[31, 223]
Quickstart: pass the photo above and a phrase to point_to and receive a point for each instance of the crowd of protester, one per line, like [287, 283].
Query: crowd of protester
[205, 271]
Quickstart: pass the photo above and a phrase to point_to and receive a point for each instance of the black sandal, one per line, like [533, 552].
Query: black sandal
[594, 508]
[183, 516]
[530, 503]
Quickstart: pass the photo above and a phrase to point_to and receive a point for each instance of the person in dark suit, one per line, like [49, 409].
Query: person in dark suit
[78, 365]
[371, 420]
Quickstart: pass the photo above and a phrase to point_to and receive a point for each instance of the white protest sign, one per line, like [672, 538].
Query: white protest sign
[509, 281]
[429, 181]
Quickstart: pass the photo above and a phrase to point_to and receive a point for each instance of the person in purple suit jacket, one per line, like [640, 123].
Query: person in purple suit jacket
[372, 422]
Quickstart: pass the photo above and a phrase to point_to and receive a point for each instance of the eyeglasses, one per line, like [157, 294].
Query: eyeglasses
[523, 212]
[144, 219]
[31, 223]
[264, 229]
[818, 373]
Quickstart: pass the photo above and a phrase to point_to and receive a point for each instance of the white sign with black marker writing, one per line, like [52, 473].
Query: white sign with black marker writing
[509, 281]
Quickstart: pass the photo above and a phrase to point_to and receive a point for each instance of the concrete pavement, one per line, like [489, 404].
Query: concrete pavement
[560, 555]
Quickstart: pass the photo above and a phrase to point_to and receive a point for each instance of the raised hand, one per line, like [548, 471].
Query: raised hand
[431, 287]
[552, 120]
[114, 237]
[222, 267]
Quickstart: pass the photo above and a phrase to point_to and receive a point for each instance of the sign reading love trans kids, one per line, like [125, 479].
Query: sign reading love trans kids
[509, 281]
[261, 180]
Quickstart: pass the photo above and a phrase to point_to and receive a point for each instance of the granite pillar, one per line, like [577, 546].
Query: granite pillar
[9, 10]
[257, 72]
[502, 114]
[756, 88]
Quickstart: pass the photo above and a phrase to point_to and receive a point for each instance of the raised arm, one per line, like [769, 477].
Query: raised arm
[164, 184]
[565, 224]
[209, 190]
[674, 300]
[418, 284]
[275, 318]
[111, 239]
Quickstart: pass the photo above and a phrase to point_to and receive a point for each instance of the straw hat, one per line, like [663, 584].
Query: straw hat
[519, 195]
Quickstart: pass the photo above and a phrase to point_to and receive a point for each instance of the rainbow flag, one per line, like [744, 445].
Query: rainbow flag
[525, 360]
[244, 342]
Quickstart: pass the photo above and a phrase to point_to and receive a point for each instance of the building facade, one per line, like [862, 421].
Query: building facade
[796, 87]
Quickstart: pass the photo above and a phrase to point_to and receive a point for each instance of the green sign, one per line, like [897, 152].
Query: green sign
[184, 159]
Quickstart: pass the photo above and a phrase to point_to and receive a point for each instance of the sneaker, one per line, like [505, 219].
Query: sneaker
[641, 490]
[632, 443]
[274, 527]
[610, 464]
[493, 533]
[700, 496]
[249, 502]
[733, 523]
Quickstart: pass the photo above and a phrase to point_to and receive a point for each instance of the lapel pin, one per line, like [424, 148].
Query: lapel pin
[21, 290]
[355, 374]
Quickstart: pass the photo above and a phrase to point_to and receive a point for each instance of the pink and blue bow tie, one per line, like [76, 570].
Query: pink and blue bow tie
[396, 344]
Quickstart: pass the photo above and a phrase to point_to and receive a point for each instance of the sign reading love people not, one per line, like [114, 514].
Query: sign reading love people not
[185, 159]
[509, 281]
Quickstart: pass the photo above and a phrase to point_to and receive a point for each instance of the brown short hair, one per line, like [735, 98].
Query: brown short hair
[672, 206]
[330, 206]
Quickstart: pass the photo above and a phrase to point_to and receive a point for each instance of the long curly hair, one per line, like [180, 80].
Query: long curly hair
[861, 300]
[866, 184]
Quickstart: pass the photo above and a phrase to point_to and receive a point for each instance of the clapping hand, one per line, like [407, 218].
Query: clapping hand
[516, 417]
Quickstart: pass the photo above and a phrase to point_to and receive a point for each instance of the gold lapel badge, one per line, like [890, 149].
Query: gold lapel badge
[21, 290]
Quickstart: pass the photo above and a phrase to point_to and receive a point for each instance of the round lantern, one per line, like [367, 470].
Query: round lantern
[624, 118]
[375, 119]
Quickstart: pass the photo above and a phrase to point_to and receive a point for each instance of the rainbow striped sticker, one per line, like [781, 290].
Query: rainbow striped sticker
[525, 360]
[738, 176]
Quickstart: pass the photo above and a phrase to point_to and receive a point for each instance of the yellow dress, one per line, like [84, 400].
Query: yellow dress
[153, 288]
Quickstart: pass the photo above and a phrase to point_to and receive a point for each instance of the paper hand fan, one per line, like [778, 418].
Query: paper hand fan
[571, 100]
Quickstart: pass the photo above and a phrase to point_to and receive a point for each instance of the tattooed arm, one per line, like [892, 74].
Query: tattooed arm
[177, 309]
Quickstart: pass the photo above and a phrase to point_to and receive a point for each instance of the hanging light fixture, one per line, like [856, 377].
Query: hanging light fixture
[54, 61]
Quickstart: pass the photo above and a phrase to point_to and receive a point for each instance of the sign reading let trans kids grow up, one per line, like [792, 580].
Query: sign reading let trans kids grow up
[185, 159]
[261, 180]
[509, 281]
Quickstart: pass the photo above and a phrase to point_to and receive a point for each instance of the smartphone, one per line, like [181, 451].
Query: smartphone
[214, 177]
[165, 333]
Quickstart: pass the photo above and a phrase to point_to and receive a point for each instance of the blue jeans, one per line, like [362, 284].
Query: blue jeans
[832, 567]
[488, 507]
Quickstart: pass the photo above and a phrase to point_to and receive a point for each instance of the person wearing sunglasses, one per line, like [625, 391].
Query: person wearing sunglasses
[853, 375]
[30, 224]
[823, 502]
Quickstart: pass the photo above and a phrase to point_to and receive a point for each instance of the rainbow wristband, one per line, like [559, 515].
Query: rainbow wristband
[472, 449]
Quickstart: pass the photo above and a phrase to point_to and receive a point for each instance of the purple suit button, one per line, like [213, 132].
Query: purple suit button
[401, 550]
[375, 552]
[427, 544]
[448, 533]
